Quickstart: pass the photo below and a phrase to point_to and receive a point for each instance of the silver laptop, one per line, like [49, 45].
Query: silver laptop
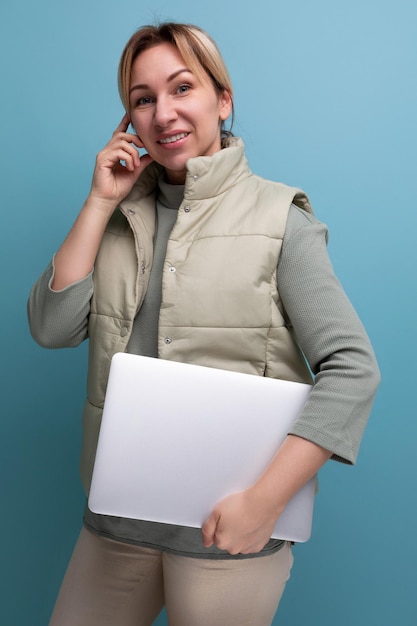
[176, 438]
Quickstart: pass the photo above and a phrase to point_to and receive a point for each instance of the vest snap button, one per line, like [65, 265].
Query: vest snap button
[131, 212]
[168, 340]
[172, 269]
[187, 209]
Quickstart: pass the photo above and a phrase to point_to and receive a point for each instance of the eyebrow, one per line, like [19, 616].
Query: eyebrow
[170, 77]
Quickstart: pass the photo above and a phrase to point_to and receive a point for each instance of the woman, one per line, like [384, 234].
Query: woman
[184, 254]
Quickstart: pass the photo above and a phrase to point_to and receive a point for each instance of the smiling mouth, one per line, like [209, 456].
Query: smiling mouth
[174, 138]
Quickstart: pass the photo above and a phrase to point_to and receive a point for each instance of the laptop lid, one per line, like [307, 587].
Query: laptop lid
[176, 438]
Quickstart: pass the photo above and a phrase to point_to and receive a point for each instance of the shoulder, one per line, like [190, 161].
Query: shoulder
[301, 223]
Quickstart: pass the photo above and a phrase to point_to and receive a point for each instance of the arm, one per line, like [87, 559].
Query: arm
[331, 424]
[59, 319]
[59, 302]
[331, 337]
[243, 522]
[112, 182]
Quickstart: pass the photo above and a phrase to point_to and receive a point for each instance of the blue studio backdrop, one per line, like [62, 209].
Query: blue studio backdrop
[326, 100]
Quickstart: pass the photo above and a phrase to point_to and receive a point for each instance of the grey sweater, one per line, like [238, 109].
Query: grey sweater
[326, 325]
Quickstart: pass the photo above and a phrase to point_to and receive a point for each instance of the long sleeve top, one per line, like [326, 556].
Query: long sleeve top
[327, 328]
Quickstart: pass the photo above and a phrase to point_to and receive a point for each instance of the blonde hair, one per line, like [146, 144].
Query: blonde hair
[196, 47]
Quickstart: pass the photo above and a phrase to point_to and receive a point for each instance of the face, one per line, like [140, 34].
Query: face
[175, 114]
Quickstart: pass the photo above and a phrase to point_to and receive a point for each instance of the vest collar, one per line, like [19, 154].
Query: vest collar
[207, 176]
[210, 176]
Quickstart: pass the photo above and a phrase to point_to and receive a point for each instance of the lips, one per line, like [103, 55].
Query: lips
[173, 138]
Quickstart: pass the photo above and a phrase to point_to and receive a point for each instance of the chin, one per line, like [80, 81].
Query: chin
[176, 169]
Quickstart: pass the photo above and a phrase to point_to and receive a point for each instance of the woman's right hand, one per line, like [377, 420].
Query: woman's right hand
[112, 179]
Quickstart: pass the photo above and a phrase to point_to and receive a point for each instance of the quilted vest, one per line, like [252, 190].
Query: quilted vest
[220, 303]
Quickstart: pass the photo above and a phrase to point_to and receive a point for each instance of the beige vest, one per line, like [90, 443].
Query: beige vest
[220, 303]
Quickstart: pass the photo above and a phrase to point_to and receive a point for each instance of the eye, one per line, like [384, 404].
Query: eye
[144, 101]
[183, 88]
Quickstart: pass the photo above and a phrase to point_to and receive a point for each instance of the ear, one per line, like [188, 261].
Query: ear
[225, 105]
[140, 141]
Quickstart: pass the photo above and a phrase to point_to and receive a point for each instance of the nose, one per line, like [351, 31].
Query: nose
[164, 112]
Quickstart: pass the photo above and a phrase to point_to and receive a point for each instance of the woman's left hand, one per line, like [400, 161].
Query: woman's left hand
[240, 523]
[244, 521]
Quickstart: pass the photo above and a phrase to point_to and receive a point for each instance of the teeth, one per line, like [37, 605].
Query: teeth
[173, 138]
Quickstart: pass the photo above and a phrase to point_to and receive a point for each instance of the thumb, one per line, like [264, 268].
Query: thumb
[134, 175]
[144, 161]
[209, 529]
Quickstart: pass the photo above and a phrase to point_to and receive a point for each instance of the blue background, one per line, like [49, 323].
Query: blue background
[326, 99]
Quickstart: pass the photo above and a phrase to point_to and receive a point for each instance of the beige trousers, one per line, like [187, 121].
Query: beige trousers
[110, 583]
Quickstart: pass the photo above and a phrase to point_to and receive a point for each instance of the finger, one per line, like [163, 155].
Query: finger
[209, 530]
[131, 150]
[119, 151]
[132, 138]
[124, 124]
[112, 158]
[138, 165]
[145, 160]
[124, 139]
[139, 140]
